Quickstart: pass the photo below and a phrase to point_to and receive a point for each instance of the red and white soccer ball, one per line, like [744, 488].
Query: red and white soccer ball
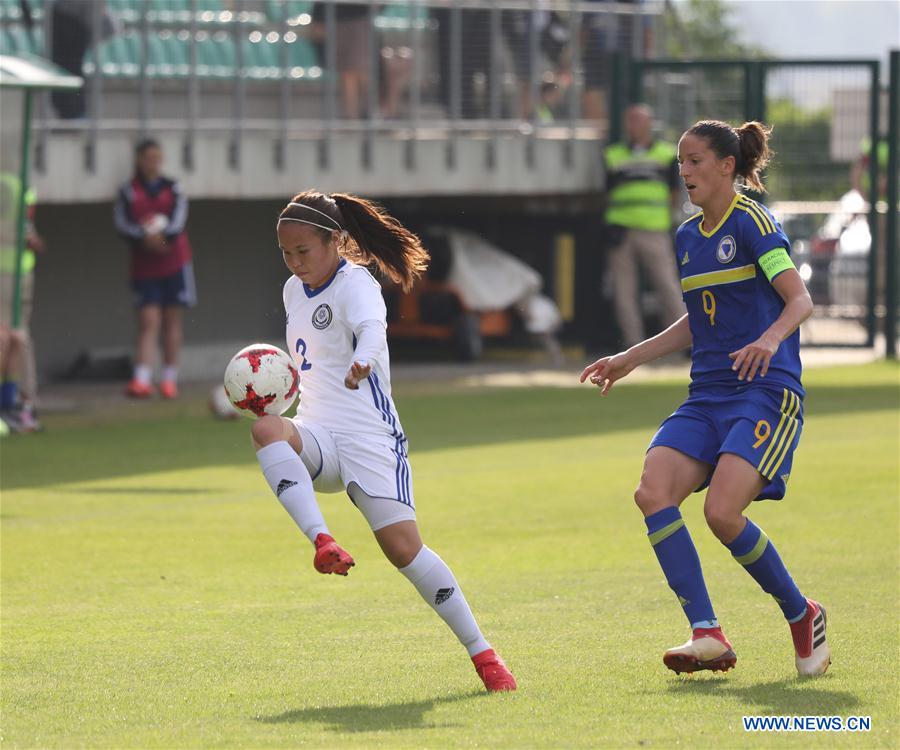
[261, 379]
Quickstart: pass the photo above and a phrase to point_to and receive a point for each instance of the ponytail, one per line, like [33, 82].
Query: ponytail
[748, 144]
[380, 238]
[755, 154]
[374, 236]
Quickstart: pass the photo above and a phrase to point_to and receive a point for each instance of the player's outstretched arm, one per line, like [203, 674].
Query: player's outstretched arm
[607, 370]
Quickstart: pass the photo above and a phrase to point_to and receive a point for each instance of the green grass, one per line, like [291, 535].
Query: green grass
[154, 594]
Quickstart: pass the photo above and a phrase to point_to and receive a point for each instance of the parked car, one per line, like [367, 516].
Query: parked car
[832, 254]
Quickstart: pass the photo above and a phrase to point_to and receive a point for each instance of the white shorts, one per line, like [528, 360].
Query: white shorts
[378, 465]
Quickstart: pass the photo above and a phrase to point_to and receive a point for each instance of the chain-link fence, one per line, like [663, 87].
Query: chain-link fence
[825, 185]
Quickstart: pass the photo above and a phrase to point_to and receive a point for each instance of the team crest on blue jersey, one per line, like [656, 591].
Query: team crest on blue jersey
[321, 318]
[726, 249]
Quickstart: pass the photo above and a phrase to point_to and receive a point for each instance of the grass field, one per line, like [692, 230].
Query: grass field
[155, 594]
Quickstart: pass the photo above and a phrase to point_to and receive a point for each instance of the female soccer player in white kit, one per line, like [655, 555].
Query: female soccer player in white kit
[347, 435]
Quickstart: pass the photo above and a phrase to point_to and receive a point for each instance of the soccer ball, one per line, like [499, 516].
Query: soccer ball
[261, 379]
[220, 405]
[156, 223]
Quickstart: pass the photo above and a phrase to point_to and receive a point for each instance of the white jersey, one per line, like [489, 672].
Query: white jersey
[320, 337]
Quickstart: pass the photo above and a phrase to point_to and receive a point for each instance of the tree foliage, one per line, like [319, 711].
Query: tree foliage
[705, 29]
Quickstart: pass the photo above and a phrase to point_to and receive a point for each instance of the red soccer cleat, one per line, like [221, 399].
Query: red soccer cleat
[330, 558]
[708, 648]
[168, 389]
[139, 389]
[813, 657]
[493, 672]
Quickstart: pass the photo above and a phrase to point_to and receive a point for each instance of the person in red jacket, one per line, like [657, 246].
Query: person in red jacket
[150, 213]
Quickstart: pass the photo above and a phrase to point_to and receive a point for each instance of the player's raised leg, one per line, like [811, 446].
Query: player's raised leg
[734, 486]
[669, 476]
[437, 585]
[278, 449]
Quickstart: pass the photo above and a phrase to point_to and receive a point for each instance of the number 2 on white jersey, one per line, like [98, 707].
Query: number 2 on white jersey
[300, 347]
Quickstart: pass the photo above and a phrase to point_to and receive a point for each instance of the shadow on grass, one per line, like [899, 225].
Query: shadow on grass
[794, 696]
[82, 452]
[368, 718]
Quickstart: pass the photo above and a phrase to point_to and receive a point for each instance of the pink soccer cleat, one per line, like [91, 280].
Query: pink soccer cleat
[708, 648]
[330, 558]
[168, 389]
[493, 672]
[139, 389]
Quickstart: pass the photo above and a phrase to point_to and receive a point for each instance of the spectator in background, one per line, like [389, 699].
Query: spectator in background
[547, 106]
[602, 33]
[642, 190]
[72, 24]
[353, 37]
[18, 392]
[151, 213]
[474, 59]
[516, 26]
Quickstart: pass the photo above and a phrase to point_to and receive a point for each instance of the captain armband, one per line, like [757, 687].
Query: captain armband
[774, 262]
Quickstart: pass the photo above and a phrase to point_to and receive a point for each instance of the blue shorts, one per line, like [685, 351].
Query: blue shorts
[762, 425]
[169, 291]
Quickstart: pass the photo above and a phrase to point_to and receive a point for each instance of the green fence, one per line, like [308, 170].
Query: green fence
[825, 114]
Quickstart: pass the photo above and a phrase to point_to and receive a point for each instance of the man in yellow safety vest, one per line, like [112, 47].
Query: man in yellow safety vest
[642, 190]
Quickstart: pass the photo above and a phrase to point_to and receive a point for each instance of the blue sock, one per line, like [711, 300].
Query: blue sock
[8, 395]
[758, 555]
[678, 558]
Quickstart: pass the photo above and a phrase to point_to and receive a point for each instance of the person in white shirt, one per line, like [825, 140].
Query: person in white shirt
[347, 435]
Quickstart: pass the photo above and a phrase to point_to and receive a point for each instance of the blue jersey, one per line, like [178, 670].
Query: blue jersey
[729, 299]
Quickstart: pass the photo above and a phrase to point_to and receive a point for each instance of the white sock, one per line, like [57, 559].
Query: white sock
[437, 586]
[170, 373]
[292, 485]
[143, 373]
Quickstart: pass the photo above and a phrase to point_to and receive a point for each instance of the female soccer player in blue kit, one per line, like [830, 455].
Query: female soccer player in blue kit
[737, 431]
[347, 435]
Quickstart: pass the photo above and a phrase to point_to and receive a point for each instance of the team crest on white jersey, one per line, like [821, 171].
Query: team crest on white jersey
[726, 249]
[322, 316]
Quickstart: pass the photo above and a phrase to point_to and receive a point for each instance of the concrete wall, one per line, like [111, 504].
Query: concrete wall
[83, 301]
[389, 173]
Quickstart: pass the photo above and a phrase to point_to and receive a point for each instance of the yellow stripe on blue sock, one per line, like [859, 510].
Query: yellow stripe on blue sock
[753, 555]
[665, 532]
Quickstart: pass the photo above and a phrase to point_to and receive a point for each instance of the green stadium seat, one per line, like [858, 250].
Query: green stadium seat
[169, 11]
[10, 10]
[261, 58]
[157, 64]
[20, 40]
[109, 67]
[37, 8]
[279, 10]
[401, 17]
[37, 36]
[303, 60]
[126, 10]
[5, 44]
[218, 55]
[178, 53]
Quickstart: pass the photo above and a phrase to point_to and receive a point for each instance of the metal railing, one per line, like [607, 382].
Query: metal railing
[436, 69]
